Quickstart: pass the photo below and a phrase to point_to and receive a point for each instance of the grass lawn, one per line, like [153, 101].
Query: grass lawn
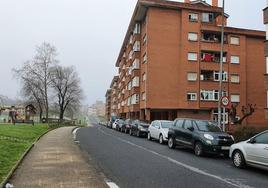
[14, 141]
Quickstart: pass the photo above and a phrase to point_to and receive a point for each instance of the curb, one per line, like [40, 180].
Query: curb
[5, 181]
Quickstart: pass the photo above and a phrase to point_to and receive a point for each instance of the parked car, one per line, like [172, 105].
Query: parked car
[159, 130]
[139, 128]
[120, 124]
[204, 137]
[126, 127]
[110, 124]
[252, 152]
[115, 123]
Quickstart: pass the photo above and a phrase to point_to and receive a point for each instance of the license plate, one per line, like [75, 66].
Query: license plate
[225, 148]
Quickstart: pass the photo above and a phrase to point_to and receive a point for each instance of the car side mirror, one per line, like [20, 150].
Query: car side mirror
[191, 129]
[252, 141]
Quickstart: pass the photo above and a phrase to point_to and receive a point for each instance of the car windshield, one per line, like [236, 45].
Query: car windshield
[166, 124]
[144, 124]
[208, 126]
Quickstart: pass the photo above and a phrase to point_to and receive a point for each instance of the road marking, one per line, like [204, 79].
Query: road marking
[191, 168]
[112, 185]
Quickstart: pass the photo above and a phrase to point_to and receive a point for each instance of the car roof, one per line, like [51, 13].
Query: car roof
[192, 119]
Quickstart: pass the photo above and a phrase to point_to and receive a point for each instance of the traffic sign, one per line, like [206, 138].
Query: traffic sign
[225, 101]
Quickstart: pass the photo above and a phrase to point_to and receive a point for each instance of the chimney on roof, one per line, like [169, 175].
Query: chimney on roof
[215, 3]
[187, 1]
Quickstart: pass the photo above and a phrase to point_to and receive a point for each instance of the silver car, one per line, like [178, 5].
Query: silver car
[253, 152]
[159, 130]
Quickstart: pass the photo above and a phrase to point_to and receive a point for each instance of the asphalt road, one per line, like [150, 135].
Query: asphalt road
[135, 162]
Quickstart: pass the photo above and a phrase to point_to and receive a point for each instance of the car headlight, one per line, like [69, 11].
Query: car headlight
[140, 127]
[208, 136]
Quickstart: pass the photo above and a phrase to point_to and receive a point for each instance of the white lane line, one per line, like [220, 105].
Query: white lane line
[191, 168]
[112, 185]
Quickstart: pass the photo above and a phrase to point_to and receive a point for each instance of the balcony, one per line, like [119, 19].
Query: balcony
[135, 90]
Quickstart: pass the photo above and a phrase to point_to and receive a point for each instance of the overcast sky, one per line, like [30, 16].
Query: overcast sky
[87, 34]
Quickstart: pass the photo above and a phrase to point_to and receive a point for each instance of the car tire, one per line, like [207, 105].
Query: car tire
[126, 131]
[171, 143]
[238, 159]
[149, 136]
[138, 134]
[161, 139]
[198, 149]
[130, 132]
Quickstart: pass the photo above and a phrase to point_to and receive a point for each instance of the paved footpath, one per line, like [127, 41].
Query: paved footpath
[54, 162]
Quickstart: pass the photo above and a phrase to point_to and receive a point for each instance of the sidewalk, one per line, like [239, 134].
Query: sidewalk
[54, 162]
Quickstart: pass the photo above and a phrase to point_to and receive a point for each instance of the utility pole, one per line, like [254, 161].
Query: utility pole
[221, 67]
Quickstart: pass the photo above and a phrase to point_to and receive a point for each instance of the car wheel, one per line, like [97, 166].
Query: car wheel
[130, 132]
[149, 136]
[171, 143]
[126, 131]
[198, 149]
[238, 159]
[138, 134]
[161, 139]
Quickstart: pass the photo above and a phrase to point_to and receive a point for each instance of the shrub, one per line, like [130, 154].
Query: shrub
[245, 133]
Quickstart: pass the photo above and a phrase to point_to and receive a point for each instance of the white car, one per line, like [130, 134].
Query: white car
[159, 130]
[253, 152]
[115, 123]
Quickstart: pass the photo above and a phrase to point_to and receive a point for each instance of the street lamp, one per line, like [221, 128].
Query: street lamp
[221, 68]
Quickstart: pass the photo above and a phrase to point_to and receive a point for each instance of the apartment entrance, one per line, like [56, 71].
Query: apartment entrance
[163, 115]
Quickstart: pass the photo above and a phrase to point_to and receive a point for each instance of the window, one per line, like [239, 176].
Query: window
[207, 17]
[192, 76]
[224, 116]
[192, 56]
[131, 39]
[136, 82]
[144, 38]
[192, 36]
[235, 59]
[129, 101]
[235, 78]
[136, 64]
[137, 46]
[266, 28]
[191, 96]
[262, 139]
[143, 96]
[235, 40]
[137, 29]
[211, 95]
[145, 58]
[135, 99]
[235, 98]
[188, 124]
[130, 55]
[217, 76]
[266, 65]
[144, 77]
[193, 17]
[129, 86]
[179, 123]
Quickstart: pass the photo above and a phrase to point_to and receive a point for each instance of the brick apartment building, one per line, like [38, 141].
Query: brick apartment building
[108, 104]
[169, 63]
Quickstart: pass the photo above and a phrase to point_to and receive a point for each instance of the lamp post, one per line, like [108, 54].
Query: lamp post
[221, 67]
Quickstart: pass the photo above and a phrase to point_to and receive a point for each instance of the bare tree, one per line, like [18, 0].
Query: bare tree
[66, 84]
[35, 74]
[246, 112]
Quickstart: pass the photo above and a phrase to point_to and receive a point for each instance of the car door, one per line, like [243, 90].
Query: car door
[157, 130]
[257, 151]
[187, 132]
[178, 131]
[152, 129]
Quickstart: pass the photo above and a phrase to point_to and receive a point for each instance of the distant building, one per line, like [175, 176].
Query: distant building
[97, 109]
[265, 20]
